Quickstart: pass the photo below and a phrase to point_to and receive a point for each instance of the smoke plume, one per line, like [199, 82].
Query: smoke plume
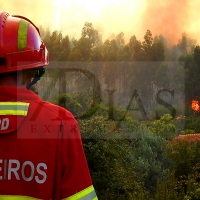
[133, 17]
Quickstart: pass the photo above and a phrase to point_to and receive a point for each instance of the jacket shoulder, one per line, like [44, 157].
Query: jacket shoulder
[52, 111]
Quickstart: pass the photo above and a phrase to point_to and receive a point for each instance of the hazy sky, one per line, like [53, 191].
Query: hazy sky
[168, 17]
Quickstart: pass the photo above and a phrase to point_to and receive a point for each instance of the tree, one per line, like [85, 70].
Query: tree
[162, 76]
[147, 45]
[54, 46]
[158, 51]
[83, 45]
[109, 50]
[136, 50]
[64, 49]
[186, 44]
[90, 39]
[91, 34]
[120, 39]
[192, 74]
[75, 55]
[113, 51]
[196, 55]
[124, 53]
[98, 54]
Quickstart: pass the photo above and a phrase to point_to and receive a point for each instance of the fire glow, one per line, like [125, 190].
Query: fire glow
[195, 106]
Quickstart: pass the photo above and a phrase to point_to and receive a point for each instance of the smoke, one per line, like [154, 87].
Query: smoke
[169, 18]
[40, 12]
[133, 17]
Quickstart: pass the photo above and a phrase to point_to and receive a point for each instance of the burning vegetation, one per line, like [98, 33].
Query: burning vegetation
[195, 106]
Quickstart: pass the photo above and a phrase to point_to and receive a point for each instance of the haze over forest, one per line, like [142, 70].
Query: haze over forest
[132, 17]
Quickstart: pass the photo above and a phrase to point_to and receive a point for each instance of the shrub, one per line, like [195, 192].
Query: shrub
[164, 127]
[150, 152]
[66, 101]
[109, 157]
[158, 112]
[184, 181]
[124, 162]
[193, 123]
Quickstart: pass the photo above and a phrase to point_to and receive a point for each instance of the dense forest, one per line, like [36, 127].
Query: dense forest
[90, 47]
[129, 157]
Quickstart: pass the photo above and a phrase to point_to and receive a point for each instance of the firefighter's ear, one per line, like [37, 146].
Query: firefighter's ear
[28, 75]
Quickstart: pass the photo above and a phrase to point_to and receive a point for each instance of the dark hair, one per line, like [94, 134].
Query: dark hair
[13, 75]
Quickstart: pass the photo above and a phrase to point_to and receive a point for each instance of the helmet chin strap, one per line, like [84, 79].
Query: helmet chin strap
[37, 77]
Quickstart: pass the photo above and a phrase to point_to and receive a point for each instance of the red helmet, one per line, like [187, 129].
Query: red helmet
[21, 46]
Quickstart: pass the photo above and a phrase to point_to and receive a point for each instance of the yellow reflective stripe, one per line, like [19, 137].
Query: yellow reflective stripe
[14, 108]
[11, 103]
[13, 112]
[86, 194]
[17, 197]
[22, 34]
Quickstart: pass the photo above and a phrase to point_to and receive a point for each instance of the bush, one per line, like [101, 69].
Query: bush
[66, 101]
[150, 152]
[109, 157]
[193, 123]
[129, 160]
[184, 181]
[164, 127]
[124, 162]
[185, 155]
[158, 112]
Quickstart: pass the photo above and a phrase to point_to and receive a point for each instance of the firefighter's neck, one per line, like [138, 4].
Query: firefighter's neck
[20, 79]
[15, 80]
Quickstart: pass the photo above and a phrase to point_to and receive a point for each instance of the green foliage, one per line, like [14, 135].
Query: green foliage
[149, 150]
[179, 123]
[181, 153]
[189, 112]
[158, 50]
[109, 156]
[75, 55]
[129, 159]
[185, 156]
[90, 46]
[125, 160]
[193, 123]
[147, 44]
[193, 184]
[58, 46]
[164, 127]
[166, 190]
[184, 180]
[187, 131]
[158, 112]
[66, 101]
[136, 50]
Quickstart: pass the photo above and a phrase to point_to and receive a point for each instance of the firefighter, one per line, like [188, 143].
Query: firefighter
[41, 153]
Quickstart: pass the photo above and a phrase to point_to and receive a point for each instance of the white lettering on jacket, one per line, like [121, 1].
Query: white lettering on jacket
[41, 173]
[13, 169]
[4, 124]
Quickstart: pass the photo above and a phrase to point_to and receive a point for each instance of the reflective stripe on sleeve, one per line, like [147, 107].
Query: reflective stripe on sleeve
[14, 108]
[16, 197]
[86, 194]
[22, 34]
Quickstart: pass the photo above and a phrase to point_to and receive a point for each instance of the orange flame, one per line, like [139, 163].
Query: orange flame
[195, 105]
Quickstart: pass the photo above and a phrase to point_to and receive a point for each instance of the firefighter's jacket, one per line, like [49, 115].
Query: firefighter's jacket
[41, 153]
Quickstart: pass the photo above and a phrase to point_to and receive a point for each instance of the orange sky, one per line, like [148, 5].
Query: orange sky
[133, 17]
